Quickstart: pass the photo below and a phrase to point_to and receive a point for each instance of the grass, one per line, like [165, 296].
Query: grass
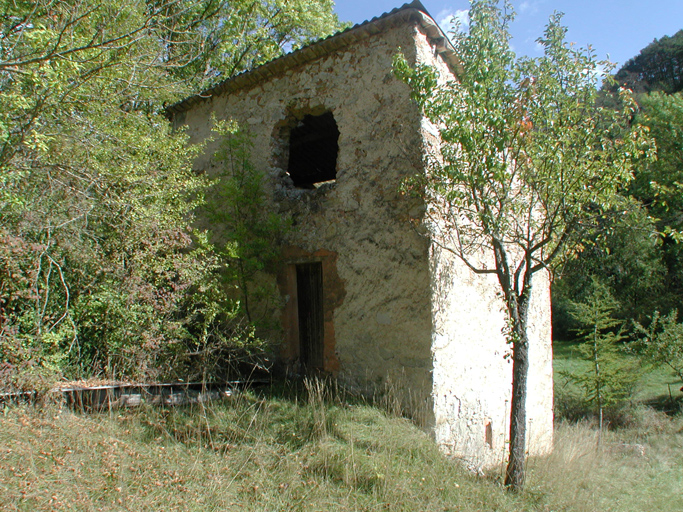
[313, 449]
[272, 451]
[635, 468]
[658, 387]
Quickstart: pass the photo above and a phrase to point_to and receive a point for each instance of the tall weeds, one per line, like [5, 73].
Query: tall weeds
[312, 448]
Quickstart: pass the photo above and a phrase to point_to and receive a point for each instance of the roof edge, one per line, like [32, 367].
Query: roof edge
[413, 11]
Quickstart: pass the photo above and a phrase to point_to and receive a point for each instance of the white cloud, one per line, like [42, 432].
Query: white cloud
[448, 20]
[529, 7]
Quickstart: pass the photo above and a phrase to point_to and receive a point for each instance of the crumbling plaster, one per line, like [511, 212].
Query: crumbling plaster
[472, 365]
[383, 327]
[412, 315]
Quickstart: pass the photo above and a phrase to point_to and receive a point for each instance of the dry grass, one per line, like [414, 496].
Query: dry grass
[310, 450]
[634, 468]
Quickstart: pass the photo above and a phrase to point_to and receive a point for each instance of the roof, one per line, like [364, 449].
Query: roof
[414, 11]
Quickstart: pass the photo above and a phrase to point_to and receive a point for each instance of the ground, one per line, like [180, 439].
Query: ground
[314, 449]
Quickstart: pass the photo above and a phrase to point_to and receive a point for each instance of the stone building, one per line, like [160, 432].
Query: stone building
[367, 294]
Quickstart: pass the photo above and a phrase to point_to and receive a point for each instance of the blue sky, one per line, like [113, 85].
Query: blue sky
[618, 28]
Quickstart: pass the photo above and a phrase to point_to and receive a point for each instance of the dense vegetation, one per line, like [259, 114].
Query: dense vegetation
[622, 293]
[634, 253]
[635, 249]
[658, 67]
[100, 272]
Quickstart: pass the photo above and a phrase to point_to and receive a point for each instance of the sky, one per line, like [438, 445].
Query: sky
[616, 29]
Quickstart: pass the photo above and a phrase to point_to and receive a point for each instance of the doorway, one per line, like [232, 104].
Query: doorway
[309, 284]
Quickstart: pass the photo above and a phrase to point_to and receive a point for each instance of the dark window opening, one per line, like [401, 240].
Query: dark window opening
[313, 148]
[309, 283]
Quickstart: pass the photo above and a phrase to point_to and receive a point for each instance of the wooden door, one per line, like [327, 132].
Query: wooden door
[309, 283]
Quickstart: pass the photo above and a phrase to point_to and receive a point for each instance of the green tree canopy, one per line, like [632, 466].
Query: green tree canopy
[623, 249]
[97, 265]
[639, 254]
[658, 67]
[527, 160]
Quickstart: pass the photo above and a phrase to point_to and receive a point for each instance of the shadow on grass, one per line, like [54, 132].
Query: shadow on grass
[671, 405]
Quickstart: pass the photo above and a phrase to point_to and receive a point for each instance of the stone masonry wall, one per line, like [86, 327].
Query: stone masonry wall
[382, 327]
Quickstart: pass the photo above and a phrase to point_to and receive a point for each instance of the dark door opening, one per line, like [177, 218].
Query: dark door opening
[309, 284]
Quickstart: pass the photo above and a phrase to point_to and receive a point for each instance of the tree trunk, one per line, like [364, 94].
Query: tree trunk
[515, 472]
[598, 378]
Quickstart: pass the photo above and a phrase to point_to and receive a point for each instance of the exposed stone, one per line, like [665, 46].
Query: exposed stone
[397, 312]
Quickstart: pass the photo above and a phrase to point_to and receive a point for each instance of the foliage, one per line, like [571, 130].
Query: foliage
[98, 269]
[527, 160]
[250, 232]
[95, 229]
[196, 41]
[624, 249]
[611, 377]
[654, 76]
[640, 252]
[658, 67]
[661, 342]
[212, 40]
[659, 184]
[244, 236]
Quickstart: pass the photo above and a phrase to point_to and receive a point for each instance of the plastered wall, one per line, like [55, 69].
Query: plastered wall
[472, 366]
[399, 309]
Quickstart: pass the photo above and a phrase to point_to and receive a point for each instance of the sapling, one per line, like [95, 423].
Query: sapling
[610, 376]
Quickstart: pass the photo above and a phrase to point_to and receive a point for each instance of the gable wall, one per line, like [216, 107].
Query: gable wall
[382, 322]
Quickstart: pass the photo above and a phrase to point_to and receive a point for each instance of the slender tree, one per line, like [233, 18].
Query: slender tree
[250, 237]
[610, 376]
[526, 159]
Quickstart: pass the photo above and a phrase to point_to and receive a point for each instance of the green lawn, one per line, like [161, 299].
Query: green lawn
[657, 386]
